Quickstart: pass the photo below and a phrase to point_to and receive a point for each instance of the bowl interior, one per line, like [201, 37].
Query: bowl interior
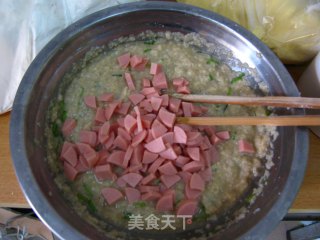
[43, 77]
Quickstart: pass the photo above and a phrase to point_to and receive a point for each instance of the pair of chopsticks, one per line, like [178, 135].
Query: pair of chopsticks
[290, 102]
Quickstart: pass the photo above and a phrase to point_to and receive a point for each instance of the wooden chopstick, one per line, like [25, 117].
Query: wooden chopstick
[275, 101]
[307, 120]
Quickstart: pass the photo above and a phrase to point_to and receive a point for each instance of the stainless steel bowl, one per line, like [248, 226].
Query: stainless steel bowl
[41, 81]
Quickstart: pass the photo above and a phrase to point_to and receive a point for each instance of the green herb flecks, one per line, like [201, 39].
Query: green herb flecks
[81, 92]
[157, 181]
[86, 198]
[249, 198]
[211, 78]
[140, 204]
[87, 201]
[147, 50]
[126, 215]
[233, 136]
[88, 190]
[55, 129]
[229, 91]
[224, 108]
[116, 75]
[62, 113]
[238, 78]
[214, 168]
[268, 112]
[202, 214]
[150, 41]
[212, 60]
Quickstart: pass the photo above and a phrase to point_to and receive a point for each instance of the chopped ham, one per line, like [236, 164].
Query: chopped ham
[156, 146]
[149, 157]
[165, 100]
[170, 180]
[183, 90]
[132, 179]
[191, 193]
[139, 138]
[193, 166]
[104, 131]
[178, 82]
[123, 109]
[169, 153]
[68, 126]
[137, 155]
[168, 138]
[132, 194]
[145, 189]
[89, 137]
[155, 165]
[186, 107]
[107, 144]
[100, 115]
[174, 104]
[90, 155]
[196, 182]
[111, 195]
[106, 97]
[155, 68]
[123, 133]
[151, 196]
[103, 172]
[146, 82]
[130, 123]
[135, 60]
[136, 98]
[187, 207]
[156, 103]
[70, 155]
[165, 203]
[127, 157]
[180, 135]
[185, 177]
[141, 66]
[223, 135]
[124, 60]
[181, 161]
[160, 81]
[121, 183]
[103, 156]
[158, 129]
[166, 117]
[110, 110]
[116, 158]
[90, 101]
[146, 105]
[70, 172]
[129, 81]
[245, 147]
[194, 153]
[121, 143]
[65, 146]
[168, 169]
[146, 180]
[148, 90]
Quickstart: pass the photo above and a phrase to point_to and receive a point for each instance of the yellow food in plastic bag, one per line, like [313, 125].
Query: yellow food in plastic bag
[291, 28]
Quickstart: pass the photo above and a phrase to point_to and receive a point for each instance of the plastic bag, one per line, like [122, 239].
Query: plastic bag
[26, 26]
[291, 28]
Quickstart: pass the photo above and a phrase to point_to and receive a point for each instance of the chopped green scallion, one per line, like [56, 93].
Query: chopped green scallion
[238, 78]
[212, 60]
[116, 75]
